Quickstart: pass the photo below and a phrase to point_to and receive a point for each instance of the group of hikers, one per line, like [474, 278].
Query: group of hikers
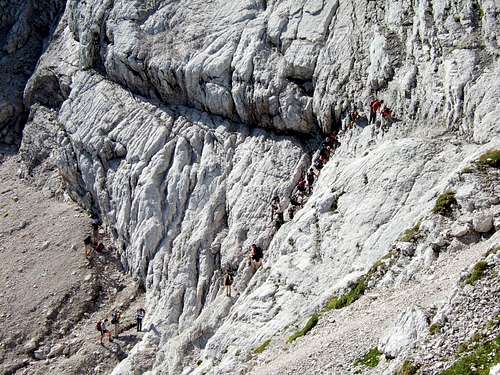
[377, 109]
[304, 186]
[103, 326]
[279, 207]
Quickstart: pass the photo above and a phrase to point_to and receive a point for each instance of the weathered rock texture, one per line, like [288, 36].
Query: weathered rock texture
[25, 25]
[177, 122]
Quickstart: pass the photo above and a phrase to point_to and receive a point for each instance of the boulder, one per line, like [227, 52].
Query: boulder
[482, 223]
[411, 326]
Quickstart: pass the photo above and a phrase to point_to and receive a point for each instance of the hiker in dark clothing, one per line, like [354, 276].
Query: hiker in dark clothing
[228, 281]
[89, 251]
[277, 211]
[310, 177]
[301, 185]
[374, 108]
[319, 163]
[353, 119]
[255, 257]
[139, 316]
[95, 233]
[115, 320]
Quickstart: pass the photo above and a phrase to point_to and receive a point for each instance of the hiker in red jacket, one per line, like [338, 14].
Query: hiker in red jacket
[374, 108]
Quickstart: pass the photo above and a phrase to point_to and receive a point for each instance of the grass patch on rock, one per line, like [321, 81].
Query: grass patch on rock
[408, 368]
[261, 348]
[370, 359]
[481, 359]
[311, 323]
[346, 299]
[412, 234]
[477, 272]
[490, 159]
[435, 328]
[444, 203]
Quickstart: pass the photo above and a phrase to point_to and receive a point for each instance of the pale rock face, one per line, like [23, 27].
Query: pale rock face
[411, 326]
[177, 122]
[495, 370]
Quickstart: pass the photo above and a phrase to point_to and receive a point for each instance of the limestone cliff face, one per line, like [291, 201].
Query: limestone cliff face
[177, 122]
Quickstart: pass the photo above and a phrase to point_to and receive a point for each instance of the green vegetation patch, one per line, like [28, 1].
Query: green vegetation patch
[445, 203]
[482, 359]
[311, 323]
[477, 272]
[435, 328]
[490, 159]
[412, 234]
[261, 348]
[408, 368]
[344, 300]
[370, 359]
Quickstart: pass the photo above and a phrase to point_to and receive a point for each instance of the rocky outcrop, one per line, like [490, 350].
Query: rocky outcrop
[25, 25]
[177, 122]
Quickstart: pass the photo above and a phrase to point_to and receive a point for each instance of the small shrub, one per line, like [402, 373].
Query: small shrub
[311, 323]
[481, 12]
[291, 242]
[344, 300]
[199, 362]
[412, 234]
[482, 358]
[467, 170]
[445, 203]
[370, 359]
[261, 348]
[477, 272]
[408, 368]
[490, 159]
[435, 328]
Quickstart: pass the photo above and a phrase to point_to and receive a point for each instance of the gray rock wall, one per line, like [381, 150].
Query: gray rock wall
[24, 26]
[177, 122]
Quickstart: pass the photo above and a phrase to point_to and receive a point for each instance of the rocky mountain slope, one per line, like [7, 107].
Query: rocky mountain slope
[177, 122]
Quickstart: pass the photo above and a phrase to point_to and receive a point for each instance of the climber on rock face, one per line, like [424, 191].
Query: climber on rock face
[354, 118]
[310, 177]
[255, 257]
[319, 163]
[228, 281]
[374, 108]
[277, 212]
[302, 185]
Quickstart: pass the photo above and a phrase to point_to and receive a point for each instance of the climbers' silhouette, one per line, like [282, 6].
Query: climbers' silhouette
[277, 213]
[375, 106]
[228, 282]
[115, 320]
[139, 316]
[89, 251]
[255, 257]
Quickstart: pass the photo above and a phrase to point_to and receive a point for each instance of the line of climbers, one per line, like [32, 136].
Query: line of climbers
[304, 186]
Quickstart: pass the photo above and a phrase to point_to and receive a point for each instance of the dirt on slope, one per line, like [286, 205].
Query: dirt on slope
[50, 299]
